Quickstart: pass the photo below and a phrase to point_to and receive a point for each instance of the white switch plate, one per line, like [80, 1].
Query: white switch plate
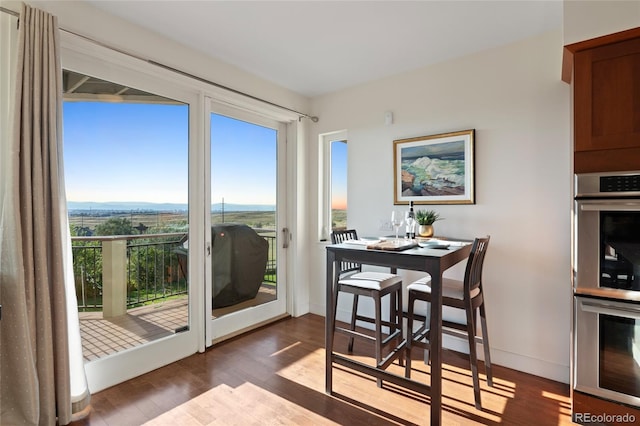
[388, 118]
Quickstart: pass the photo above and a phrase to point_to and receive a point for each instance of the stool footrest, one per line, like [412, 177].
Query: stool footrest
[385, 341]
[373, 321]
[390, 337]
[420, 334]
[395, 353]
[355, 333]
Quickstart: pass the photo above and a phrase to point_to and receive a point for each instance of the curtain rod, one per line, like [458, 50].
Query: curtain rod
[204, 80]
[195, 77]
[9, 11]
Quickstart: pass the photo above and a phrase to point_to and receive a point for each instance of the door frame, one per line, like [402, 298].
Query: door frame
[233, 324]
[78, 54]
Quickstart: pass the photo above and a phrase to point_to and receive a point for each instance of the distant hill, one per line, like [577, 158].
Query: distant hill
[87, 206]
[243, 207]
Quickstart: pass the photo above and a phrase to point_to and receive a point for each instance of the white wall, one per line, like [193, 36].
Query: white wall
[514, 98]
[584, 20]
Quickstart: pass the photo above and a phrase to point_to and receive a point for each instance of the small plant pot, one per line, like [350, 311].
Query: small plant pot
[425, 230]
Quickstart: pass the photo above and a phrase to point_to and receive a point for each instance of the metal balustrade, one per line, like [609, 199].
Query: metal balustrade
[114, 273]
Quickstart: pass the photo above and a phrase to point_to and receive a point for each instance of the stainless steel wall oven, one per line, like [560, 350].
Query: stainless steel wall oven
[606, 284]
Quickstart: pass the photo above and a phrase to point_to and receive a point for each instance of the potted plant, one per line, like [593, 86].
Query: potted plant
[425, 219]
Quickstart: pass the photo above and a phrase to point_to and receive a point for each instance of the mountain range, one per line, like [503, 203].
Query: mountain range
[86, 206]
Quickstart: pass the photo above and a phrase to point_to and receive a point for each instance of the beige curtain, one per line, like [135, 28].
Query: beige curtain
[34, 351]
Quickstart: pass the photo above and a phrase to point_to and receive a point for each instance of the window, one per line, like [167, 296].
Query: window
[333, 183]
[338, 184]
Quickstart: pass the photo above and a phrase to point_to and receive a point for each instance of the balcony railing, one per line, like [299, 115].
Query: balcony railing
[114, 273]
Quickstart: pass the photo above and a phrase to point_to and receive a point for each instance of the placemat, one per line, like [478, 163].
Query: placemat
[392, 246]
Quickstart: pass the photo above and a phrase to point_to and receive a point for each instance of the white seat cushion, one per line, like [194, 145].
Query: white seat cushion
[371, 280]
[426, 280]
[450, 288]
[374, 276]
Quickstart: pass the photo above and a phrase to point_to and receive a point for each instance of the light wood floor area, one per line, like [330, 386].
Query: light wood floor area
[275, 376]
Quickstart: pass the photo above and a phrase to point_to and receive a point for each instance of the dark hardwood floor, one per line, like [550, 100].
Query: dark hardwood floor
[275, 376]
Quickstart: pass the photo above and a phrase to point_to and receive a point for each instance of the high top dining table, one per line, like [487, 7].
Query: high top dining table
[432, 260]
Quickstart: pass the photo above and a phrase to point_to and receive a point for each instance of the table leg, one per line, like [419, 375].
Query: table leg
[329, 321]
[435, 337]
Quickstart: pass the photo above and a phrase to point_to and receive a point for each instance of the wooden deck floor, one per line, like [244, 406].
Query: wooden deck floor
[102, 337]
[275, 376]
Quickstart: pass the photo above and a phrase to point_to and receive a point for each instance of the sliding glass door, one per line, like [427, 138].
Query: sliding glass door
[177, 209]
[248, 237]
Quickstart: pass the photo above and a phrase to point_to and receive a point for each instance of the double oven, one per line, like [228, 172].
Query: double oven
[606, 286]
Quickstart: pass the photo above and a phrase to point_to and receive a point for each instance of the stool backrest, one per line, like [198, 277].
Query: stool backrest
[473, 272]
[338, 237]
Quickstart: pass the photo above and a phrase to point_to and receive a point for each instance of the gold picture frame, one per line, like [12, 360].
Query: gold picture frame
[435, 169]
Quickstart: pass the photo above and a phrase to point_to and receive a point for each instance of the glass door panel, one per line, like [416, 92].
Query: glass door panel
[619, 354]
[126, 155]
[246, 273]
[620, 250]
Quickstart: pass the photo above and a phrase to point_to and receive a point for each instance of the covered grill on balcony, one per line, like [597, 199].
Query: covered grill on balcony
[239, 261]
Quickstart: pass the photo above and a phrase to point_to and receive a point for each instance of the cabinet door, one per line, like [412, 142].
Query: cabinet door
[607, 107]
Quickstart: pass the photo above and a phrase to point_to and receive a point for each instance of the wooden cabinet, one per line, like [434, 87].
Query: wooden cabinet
[606, 102]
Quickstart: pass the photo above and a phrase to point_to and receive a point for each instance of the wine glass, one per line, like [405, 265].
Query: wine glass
[396, 222]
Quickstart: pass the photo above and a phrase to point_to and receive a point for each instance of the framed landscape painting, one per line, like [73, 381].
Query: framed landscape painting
[436, 169]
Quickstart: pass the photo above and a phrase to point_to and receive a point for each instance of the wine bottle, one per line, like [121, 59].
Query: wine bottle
[411, 222]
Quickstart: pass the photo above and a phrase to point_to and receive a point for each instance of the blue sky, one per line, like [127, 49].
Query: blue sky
[243, 162]
[339, 175]
[139, 152]
[125, 152]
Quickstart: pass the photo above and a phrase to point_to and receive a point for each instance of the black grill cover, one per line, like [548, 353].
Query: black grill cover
[239, 262]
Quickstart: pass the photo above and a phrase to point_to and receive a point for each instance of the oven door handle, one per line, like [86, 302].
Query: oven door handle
[610, 309]
[593, 207]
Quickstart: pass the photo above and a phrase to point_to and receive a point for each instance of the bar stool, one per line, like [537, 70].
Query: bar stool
[466, 295]
[375, 285]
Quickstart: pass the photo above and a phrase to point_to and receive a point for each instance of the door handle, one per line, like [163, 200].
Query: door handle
[596, 207]
[286, 237]
[614, 309]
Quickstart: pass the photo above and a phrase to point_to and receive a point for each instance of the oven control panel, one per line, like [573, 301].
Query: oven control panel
[608, 185]
[624, 183]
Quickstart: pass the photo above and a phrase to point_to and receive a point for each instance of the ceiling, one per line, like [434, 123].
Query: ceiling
[318, 47]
